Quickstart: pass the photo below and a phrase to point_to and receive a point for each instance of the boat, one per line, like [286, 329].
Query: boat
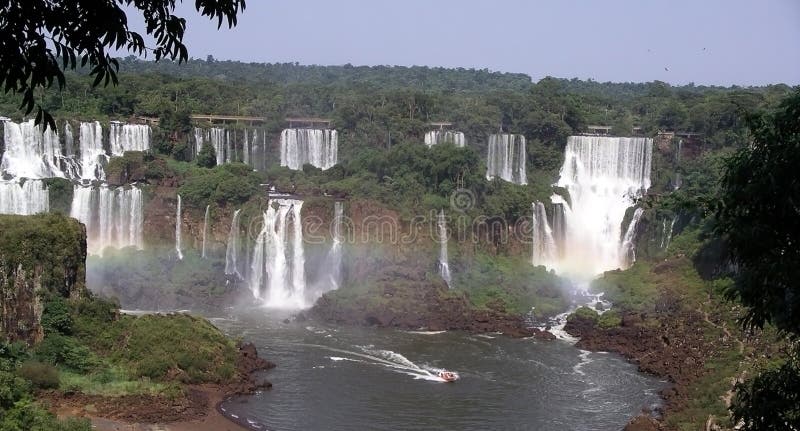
[447, 376]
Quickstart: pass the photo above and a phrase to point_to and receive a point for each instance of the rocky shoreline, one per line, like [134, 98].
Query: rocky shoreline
[672, 343]
[198, 407]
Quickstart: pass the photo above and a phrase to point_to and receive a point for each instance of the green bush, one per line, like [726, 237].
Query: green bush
[609, 319]
[64, 351]
[40, 374]
[585, 313]
[56, 318]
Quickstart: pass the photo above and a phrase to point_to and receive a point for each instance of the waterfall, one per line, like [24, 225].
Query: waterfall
[178, 230]
[246, 148]
[205, 231]
[544, 246]
[23, 197]
[444, 267]
[507, 158]
[318, 147]
[441, 136]
[93, 156]
[628, 247]
[218, 138]
[29, 152]
[558, 224]
[666, 233]
[232, 250]
[603, 176]
[128, 137]
[277, 274]
[113, 217]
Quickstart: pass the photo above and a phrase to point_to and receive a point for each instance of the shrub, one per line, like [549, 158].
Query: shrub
[585, 313]
[56, 318]
[609, 319]
[65, 351]
[42, 375]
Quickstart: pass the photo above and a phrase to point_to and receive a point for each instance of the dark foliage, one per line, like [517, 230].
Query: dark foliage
[42, 38]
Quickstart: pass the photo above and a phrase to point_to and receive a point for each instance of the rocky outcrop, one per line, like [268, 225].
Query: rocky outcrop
[39, 255]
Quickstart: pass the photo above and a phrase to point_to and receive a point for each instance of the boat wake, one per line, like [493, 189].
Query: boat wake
[388, 359]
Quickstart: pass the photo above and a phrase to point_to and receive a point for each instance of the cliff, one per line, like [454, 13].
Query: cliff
[39, 255]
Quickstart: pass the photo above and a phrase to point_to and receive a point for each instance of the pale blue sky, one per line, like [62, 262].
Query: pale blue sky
[703, 41]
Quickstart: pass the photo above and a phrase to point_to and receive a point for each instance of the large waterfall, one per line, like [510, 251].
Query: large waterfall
[23, 197]
[93, 156]
[113, 217]
[441, 136]
[232, 250]
[444, 266]
[603, 176]
[277, 271]
[178, 224]
[128, 137]
[29, 152]
[507, 158]
[318, 147]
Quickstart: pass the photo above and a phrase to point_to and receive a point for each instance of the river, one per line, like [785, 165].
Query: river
[348, 378]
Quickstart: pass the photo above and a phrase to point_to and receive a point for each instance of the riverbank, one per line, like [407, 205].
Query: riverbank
[684, 332]
[196, 407]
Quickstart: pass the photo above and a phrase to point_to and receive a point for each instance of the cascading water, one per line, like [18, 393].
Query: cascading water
[544, 245]
[440, 136]
[93, 156]
[113, 217]
[318, 147]
[128, 137]
[218, 138]
[603, 176]
[29, 152]
[23, 197]
[178, 230]
[666, 234]
[628, 247]
[507, 158]
[205, 231]
[232, 250]
[277, 273]
[444, 266]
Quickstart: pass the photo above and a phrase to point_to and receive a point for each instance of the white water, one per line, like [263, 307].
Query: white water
[23, 198]
[666, 234]
[30, 153]
[603, 176]
[441, 136]
[444, 266]
[544, 246]
[113, 217]
[628, 247]
[507, 158]
[277, 272]
[333, 265]
[232, 250]
[93, 156]
[318, 147]
[128, 137]
[205, 231]
[218, 138]
[178, 230]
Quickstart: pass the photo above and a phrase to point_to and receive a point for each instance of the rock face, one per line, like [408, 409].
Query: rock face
[39, 255]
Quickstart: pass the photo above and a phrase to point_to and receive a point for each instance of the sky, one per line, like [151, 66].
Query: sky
[720, 42]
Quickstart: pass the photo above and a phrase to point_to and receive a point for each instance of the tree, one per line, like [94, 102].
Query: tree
[207, 157]
[43, 38]
[758, 217]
